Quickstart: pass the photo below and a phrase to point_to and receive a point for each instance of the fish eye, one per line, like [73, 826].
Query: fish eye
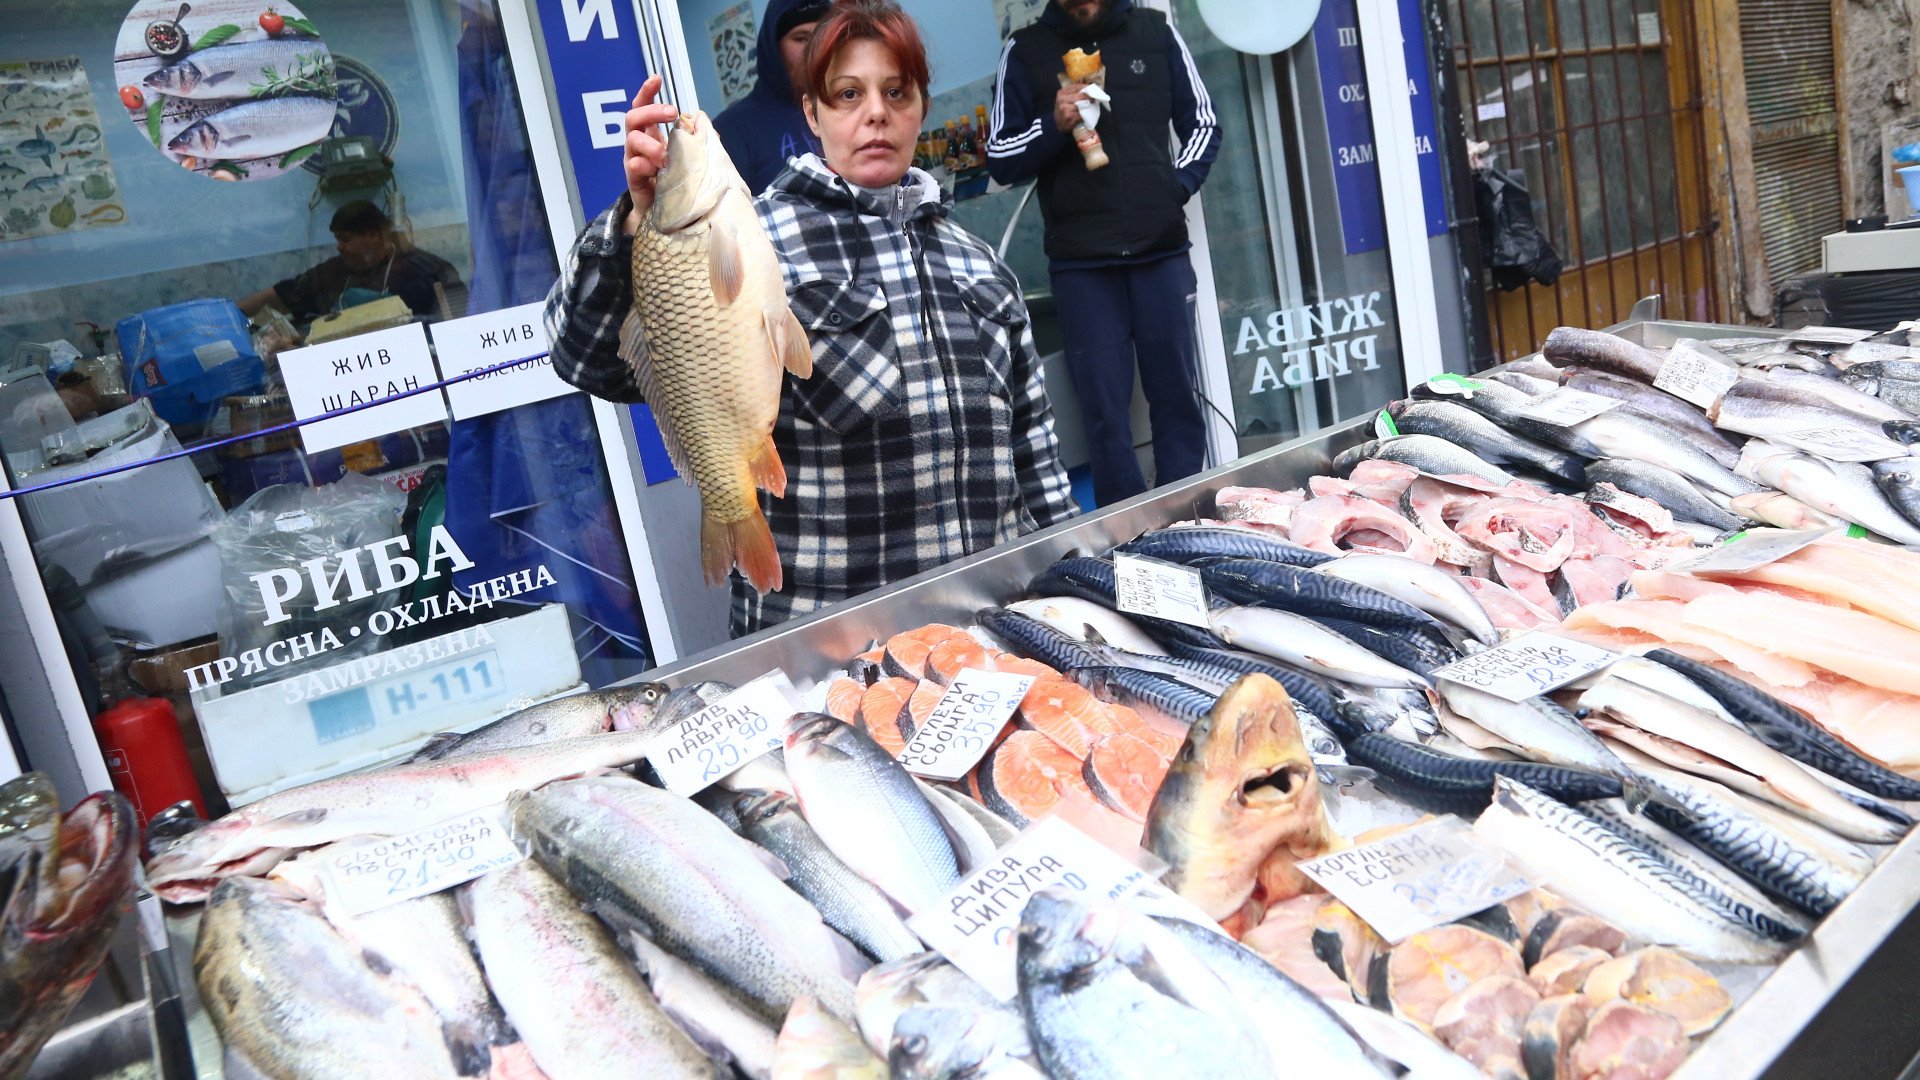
[914, 1045]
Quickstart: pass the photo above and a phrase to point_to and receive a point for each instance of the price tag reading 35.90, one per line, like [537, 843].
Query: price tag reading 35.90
[725, 735]
[964, 721]
[1159, 590]
[1530, 665]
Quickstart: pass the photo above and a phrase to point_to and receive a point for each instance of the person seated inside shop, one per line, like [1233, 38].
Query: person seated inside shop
[903, 449]
[375, 260]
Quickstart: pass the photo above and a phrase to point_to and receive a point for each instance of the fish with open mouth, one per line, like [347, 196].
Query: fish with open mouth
[1241, 788]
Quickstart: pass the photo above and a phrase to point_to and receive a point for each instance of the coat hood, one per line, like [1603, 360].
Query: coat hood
[772, 80]
[808, 178]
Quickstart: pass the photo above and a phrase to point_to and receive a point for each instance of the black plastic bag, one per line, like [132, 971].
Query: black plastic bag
[1515, 250]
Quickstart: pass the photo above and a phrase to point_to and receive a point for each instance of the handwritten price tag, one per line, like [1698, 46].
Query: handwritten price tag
[1418, 878]
[1695, 373]
[379, 873]
[1528, 666]
[1566, 406]
[725, 735]
[964, 721]
[1162, 590]
[979, 924]
[1755, 547]
[1840, 443]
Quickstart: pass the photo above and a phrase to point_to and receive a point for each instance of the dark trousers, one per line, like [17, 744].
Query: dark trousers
[1112, 319]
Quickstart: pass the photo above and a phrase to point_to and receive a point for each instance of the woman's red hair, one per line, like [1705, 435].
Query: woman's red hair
[873, 20]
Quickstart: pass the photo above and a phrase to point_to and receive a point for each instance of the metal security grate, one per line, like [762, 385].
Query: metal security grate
[1597, 105]
[1787, 48]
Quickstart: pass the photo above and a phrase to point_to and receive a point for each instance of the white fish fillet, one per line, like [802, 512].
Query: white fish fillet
[1665, 620]
[1860, 646]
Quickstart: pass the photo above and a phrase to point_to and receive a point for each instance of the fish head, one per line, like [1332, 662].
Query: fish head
[698, 172]
[679, 704]
[755, 806]
[198, 138]
[174, 79]
[935, 1041]
[1245, 776]
[1061, 934]
[629, 708]
[818, 736]
[1897, 474]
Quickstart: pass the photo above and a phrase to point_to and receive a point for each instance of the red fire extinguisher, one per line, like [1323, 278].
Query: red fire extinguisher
[146, 756]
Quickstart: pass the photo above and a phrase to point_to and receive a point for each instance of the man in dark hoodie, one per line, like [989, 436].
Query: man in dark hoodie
[1116, 236]
[765, 128]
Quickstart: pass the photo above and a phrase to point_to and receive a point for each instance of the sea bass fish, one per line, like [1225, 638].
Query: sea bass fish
[63, 885]
[294, 999]
[1098, 1005]
[386, 802]
[232, 71]
[707, 338]
[257, 129]
[1241, 788]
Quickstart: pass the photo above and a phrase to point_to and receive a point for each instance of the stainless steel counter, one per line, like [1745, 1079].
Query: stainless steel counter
[1838, 1006]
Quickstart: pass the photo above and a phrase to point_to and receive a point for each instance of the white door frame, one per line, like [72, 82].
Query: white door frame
[1384, 50]
[613, 421]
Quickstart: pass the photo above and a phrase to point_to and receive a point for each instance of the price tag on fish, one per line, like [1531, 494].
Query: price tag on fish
[1160, 590]
[1566, 406]
[1418, 878]
[977, 925]
[964, 721]
[380, 873]
[1829, 335]
[1838, 442]
[1696, 374]
[1528, 666]
[1755, 547]
[692, 754]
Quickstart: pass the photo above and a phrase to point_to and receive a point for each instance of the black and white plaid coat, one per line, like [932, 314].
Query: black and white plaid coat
[924, 433]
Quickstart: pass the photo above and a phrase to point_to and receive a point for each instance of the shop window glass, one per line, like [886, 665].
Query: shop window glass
[1296, 233]
[313, 599]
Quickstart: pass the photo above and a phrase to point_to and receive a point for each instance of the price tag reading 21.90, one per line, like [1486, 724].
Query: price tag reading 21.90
[964, 721]
[1528, 666]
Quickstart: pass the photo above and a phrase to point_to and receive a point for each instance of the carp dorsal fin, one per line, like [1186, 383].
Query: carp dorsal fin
[723, 263]
[789, 340]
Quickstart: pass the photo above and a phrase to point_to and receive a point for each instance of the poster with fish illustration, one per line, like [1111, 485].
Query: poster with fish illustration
[55, 175]
[230, 89]
[732, 33]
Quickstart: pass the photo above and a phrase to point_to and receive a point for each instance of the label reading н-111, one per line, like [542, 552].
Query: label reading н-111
[976, 705]
[1529, 665]
[723, 736]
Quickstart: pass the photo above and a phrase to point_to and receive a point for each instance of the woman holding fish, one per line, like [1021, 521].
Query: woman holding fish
[911, 411]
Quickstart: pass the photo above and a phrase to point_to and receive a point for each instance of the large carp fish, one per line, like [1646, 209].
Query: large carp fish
[708, 337]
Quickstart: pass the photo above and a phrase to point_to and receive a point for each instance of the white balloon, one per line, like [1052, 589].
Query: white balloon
[1260, 27]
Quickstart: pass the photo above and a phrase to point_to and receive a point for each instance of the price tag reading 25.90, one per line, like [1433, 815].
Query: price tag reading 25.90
[725, 735]
[975, 707]
[1527, 666]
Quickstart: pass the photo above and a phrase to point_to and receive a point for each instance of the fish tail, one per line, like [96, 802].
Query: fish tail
[747, 543]
[768, 473]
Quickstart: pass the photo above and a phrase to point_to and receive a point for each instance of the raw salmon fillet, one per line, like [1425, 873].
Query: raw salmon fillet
[880, 709]
[843, 699]
[1123, 772]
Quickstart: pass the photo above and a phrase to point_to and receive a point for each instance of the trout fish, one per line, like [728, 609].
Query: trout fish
[707, 338]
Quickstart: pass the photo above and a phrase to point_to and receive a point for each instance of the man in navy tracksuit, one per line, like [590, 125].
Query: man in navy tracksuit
[1116, 236]
[765, 128]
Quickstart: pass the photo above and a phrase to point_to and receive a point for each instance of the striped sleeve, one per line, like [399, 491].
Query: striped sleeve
[1021, 137]
[1194, 126]
[587, 305]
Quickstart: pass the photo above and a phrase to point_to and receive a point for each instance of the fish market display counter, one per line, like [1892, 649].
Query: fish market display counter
[1838, 1006]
